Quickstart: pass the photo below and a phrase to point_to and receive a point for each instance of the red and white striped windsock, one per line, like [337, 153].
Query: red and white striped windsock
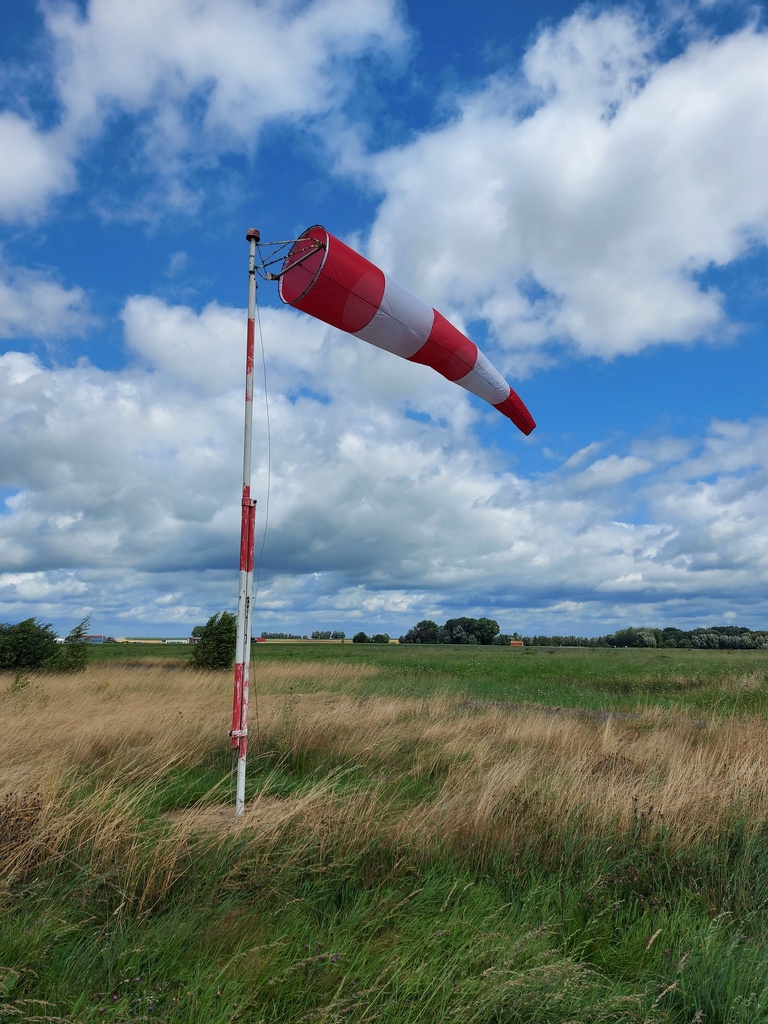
[325, 278]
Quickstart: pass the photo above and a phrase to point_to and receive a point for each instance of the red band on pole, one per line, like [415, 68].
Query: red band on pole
[247, 526]
[249, 350]
[237, 704]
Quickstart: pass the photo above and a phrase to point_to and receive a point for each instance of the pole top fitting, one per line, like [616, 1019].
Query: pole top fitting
[253, 235]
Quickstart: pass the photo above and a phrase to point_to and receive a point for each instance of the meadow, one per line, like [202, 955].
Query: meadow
[476, 835]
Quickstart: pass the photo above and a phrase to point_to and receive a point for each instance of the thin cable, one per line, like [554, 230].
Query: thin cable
[269, 449]
[257, 574]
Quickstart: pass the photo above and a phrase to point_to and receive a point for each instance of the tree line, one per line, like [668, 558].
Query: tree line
[728, 638]
[318, 634]
[463, 630]
[485, 631]
[377, 638]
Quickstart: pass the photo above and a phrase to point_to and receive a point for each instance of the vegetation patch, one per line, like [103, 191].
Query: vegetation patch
[402, 858]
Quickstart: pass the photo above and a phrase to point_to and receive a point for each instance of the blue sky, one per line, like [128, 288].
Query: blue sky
[581, 188]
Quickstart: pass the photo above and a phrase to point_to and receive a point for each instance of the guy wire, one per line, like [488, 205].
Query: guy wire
[257, 567]
[269, 450]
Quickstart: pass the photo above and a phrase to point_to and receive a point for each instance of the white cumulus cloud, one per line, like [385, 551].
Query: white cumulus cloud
[581, 201]
[35, 166]
[124, 486]
[197, 78]
[32, 304]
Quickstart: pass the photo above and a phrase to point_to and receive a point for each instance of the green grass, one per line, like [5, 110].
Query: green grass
[136, 652]
[722, 682]
[716, 681]
[376, 934]
[351, 910]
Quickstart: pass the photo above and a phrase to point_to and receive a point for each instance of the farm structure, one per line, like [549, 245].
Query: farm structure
[155, 640]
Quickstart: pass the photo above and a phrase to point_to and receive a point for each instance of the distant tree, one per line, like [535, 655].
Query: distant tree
[465, 630]
[705, 639]
[455, 630]
[27, 645]
[72, 655]
[424, 632]
[380, 638]
[672, 636]
[625, 638]
[647, 638]
[485, 630]
[361, 638]
[216, 646]
[338, 634]
[197, 631]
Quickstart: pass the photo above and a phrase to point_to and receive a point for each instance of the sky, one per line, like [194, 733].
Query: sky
[580, 188]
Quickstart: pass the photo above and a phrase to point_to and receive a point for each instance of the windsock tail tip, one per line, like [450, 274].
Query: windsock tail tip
[514, 408]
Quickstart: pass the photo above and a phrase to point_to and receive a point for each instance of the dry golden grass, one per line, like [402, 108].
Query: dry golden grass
[491, 779]
[118, 712]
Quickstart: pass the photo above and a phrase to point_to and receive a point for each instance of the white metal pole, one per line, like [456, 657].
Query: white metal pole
[239, 731]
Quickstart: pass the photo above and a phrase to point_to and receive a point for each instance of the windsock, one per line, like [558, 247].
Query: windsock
[327, 279]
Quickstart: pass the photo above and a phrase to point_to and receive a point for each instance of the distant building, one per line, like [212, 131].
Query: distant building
[516, 643]
[95, 638]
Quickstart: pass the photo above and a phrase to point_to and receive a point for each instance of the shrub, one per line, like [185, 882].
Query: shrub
[27, 645]
[72, 655]
[33, 645]
[216, 645]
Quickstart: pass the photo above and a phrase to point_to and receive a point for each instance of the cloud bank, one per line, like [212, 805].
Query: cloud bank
[127, 480]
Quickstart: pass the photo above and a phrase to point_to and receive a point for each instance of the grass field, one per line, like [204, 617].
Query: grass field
[433, 834]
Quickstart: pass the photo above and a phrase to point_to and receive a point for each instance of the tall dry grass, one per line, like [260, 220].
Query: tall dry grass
[433, 841]
[131, 713]
[484, 777]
